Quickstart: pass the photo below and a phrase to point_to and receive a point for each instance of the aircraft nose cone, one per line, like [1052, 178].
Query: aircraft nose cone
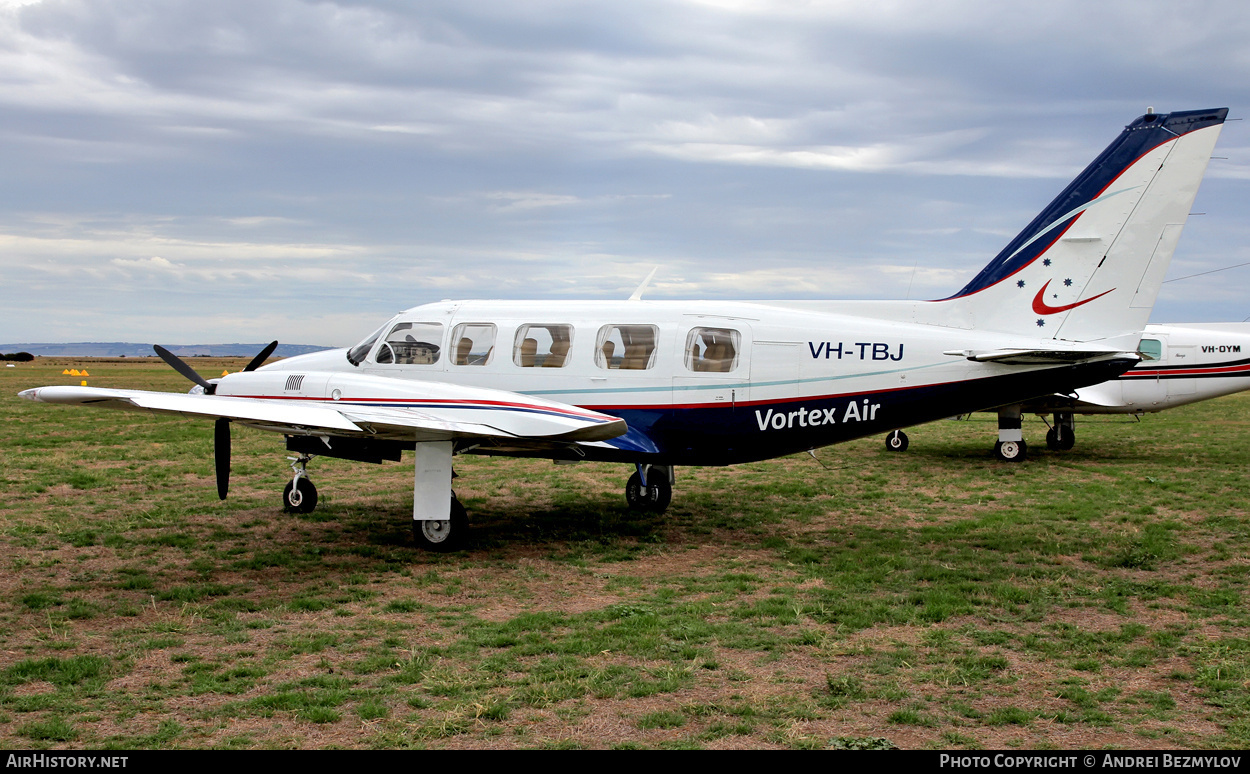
[32, 394]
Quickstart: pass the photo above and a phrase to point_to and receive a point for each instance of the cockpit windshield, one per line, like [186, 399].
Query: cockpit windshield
[356, 354]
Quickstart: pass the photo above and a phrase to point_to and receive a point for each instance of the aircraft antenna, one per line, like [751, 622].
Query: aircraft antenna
[1201, 273]
[637, 296]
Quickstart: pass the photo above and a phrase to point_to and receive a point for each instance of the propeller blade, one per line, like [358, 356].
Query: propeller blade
[260, 359]
[221, 455]
[181, 367]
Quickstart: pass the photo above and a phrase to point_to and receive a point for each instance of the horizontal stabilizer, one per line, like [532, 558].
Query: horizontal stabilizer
[1025, 356]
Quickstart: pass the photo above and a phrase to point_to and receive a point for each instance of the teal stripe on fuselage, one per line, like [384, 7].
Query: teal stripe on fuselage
[724, 385]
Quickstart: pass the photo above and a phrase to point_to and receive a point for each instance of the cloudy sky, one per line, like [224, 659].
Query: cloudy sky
[191, 172]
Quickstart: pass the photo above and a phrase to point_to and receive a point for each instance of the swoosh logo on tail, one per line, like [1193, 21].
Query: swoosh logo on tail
[1041, 307]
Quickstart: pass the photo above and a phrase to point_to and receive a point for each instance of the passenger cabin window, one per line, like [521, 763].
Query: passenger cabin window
[473, 343]
[542, 346]
[626, 347]
[712, 350]
[1151, 349]
[411, 343]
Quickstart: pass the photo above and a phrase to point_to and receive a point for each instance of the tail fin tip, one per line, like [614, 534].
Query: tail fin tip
[1107, 237]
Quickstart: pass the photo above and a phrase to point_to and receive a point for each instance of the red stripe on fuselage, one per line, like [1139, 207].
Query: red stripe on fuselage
[1135, 374]
[435, 402]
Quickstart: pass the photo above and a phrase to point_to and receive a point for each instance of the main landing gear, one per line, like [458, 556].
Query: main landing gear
[439, 520]
[1011, 446]
[650, 488]
[1062, 436]
[446, 534]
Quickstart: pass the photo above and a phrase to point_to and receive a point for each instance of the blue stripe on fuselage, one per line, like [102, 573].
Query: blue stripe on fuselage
[719, 434]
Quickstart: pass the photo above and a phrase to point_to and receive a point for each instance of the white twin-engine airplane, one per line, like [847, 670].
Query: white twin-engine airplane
[1181, 364]
[659, 384]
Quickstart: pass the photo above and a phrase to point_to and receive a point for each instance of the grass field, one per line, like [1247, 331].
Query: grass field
[1092, 598]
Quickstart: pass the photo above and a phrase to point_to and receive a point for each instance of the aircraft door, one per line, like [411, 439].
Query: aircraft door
[1182, 390]
[716, 365]
[1148, 393]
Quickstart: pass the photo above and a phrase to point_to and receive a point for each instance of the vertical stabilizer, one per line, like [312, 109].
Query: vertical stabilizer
[1090, 265]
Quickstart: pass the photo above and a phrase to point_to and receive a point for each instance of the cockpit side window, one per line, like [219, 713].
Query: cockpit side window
[1150, 349]
[542, 346]
[712, 350]
[473, 344]
[626, 347]
[411, 343]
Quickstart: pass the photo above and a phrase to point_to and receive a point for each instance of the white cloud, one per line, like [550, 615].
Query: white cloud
[322, 157]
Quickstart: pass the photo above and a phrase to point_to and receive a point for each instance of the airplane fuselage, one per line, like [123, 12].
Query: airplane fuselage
[698, 383]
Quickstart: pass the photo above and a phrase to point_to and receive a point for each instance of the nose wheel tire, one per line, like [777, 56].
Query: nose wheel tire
[300, 496]
[447, 535]
[654, 497]
[896, 441]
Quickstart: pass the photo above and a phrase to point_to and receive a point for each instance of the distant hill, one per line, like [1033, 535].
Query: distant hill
[128, 349]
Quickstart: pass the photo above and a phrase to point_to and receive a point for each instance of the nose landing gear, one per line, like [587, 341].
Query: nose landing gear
[300, 496]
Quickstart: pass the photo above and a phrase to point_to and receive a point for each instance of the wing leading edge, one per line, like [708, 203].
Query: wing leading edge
[482, 414]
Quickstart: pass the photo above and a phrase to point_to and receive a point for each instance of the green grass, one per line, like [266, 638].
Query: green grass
[931, 599]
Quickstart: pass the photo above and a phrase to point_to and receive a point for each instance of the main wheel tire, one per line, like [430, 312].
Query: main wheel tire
[301, 498]
[1059, 438]
[1011, 451]
[654, 497]
[443, 536]
[896, 441]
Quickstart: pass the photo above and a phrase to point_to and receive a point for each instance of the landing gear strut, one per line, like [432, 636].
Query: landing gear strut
[439, 521]
[650, 488]
[300, 496]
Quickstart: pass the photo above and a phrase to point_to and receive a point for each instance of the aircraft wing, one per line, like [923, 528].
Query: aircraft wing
[509, 415]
